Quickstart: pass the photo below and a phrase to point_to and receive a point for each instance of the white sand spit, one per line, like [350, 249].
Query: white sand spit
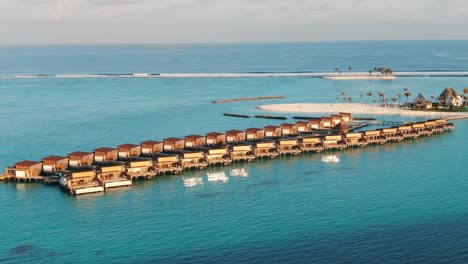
[353, 108]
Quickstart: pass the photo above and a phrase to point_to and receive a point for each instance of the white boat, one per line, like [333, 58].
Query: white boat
[330, 159]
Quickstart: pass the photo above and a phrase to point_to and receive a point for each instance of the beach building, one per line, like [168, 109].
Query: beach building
[52, 164]
[346, 117]
[254, 133]
[265, 148]
[129, 150]
[80, 158]
[315, 123]
[272, 131]
[333, 142]
[354, 140]
[215, 138]
[167, 163]
[173, 143]
[311, 143]
[288, 129]
[26, 170]
[450, 98]
[288, 146]
[421, 102]
[81, 182]
[303, 127]
[105, 154]
[235, 136]
[194, 141]
[151, 147]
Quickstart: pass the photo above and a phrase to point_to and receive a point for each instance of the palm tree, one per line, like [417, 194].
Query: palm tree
[350, 100]
[370, 72]
[406, 89]
[407, 94]
[344, 96]
[399, 98]
[350, 68]
[394, 99]
[465, 93]
[361, 95]
[337, 99]
[382, 96]
[370, 96]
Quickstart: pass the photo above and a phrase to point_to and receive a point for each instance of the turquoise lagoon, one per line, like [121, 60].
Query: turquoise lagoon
[395, 203]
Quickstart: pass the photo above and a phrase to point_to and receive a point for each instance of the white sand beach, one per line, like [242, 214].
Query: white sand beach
[353, 108]
[360, 77]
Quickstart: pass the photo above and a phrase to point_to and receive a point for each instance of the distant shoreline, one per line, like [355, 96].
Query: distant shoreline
[354, 108]
[361, 77]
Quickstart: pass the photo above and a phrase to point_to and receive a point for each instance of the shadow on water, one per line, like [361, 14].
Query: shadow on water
[207, 195]
[27, 253]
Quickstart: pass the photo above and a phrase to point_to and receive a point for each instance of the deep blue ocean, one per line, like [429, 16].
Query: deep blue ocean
[394, 203]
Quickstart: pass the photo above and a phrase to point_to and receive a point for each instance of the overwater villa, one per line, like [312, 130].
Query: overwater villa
[112, 175]
[325, 122]
[191, 159]
[265, 149]
[391, 134]
[215, 138]
[80, 158]
[335, 120]
[303, 127]
[167, 163]
[53, 167]
[355, 140]
[272, 131]
[25, 170]
[150, 147]
[346, 117]
[242, 152]
[235, 136]
[420, 128]
[312, 143]
[333, 142]
[374, 137]
[105, 154]
[127, 151]
[288, 146]
[254, 133]
[195, 141]
[81, 182]
[407, 132]
[140, 167]
[315, 123]
[288, 129]
[173, 143]
[217, 155]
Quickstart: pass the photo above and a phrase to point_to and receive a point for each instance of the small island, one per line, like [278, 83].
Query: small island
[377, 73]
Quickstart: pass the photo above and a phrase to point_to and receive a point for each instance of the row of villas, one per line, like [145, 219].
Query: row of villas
[84, 172]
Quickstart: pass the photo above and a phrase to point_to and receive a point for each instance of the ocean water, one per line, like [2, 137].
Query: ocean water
[395, 203]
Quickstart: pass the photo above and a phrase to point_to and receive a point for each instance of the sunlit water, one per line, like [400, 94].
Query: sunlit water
[395, 203]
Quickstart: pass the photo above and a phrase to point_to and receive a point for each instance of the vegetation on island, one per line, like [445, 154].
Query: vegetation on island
[448, 101]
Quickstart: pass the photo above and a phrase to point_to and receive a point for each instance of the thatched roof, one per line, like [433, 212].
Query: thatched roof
[448, 92]
[420, 100]
[341, 128]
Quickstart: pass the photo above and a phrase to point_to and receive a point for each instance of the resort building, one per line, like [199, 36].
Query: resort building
[26, 170]
[303, 126]
[335, 120]
[195, 141]
[315, 123]
[288, 129]
[139, 167]
[272, 131]
[167, 163]
[217, 156]
[80, 158]
[173, 143]
[313, 143]
[288, 146]
[241, 152]
[150, 147]
[105, 154]
[215, 138]
[265, 148]
[129, 150]
[81, 182]
[421, 102]
[450, 98]
[235, 136]
[354, 140]
[51, 164]
[333, 142]
[255, 133]
[112, 175]
[325, 123]
[346, 117]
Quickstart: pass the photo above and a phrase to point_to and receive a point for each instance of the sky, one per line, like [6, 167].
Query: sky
[207, 21]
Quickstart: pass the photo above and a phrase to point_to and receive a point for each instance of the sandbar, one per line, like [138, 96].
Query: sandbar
[354, 108]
